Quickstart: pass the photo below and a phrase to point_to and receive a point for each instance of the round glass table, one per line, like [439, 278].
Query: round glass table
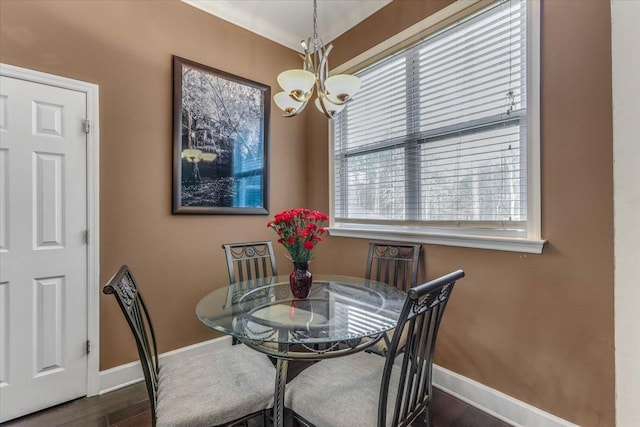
[342, 315]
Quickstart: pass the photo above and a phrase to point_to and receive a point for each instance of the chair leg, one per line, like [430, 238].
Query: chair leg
[267, 419]
[427, 415]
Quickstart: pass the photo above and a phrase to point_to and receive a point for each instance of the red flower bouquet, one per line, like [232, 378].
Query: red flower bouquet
[299, 231]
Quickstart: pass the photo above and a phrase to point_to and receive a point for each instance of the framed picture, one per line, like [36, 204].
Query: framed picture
[220, 141]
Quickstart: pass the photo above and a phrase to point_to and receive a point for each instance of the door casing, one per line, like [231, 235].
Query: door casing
[93, 213]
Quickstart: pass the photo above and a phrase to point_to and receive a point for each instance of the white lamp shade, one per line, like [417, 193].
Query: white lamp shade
[296, 80]
[341, 87]
[191, 155]
[330, 106]
[285, 102]
[209, 157]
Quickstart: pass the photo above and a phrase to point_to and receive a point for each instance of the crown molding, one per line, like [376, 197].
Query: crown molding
[335, 18]
[226, 11]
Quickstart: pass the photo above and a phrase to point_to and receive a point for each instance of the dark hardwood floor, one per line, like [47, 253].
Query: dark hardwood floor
[129, 407]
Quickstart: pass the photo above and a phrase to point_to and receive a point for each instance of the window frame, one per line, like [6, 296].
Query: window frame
[529, 240]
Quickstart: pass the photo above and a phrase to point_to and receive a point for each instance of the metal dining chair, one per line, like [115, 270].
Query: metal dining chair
[215, 387]
[368, 390]
[250, 260]
[397, 265]
[394, 263]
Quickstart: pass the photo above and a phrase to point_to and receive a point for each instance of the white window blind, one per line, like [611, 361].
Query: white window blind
[437, 134]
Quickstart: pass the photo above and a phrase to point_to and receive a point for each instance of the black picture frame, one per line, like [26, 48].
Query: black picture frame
[220, 142]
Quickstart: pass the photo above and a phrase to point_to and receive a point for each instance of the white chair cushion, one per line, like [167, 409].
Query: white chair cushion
[341, 392]
[215, 387]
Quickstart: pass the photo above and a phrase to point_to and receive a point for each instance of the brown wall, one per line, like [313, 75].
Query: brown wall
[126, 48]
[536, 327]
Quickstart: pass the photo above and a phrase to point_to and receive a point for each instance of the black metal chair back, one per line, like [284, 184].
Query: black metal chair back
[421, 317]
[251, 260]
[394, 263]
[123, 286]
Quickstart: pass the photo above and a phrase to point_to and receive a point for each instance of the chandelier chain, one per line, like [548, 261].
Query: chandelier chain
[316, 38]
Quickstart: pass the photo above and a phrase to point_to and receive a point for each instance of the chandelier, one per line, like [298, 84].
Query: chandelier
[332, 92]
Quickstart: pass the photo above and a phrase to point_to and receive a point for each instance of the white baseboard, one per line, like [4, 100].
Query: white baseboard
[131, 373]
[493, 402]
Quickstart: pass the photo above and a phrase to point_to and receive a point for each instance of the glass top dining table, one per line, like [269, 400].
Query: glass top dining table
[341, 315]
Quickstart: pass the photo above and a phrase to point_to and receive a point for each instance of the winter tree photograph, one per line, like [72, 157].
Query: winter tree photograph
[220, 141]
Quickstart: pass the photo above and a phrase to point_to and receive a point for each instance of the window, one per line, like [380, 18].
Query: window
[435, 147]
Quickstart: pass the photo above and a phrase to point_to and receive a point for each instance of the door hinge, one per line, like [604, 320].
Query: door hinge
[87, 126]
[86, 236]
[88, 346]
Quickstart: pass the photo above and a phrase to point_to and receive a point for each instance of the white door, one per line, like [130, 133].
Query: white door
[43, 250]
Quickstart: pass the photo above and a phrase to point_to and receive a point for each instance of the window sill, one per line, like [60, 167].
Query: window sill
[463, 238]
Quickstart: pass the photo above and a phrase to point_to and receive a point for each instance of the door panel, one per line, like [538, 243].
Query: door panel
[4, 194]
[43, 253]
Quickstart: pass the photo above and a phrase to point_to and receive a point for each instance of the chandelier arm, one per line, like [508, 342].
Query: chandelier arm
[323, 67]
[317, 58]
[308, 64]
[320, 74]
[327, 50]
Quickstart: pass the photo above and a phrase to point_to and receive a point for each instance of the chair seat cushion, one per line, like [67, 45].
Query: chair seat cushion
[214, 387]
[341, 392]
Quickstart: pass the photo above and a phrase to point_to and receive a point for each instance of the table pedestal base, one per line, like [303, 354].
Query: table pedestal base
[281, 380]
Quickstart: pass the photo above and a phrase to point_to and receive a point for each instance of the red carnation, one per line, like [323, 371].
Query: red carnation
[299, 230]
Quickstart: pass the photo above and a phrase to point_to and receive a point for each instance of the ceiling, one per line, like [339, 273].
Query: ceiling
[289, 21]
